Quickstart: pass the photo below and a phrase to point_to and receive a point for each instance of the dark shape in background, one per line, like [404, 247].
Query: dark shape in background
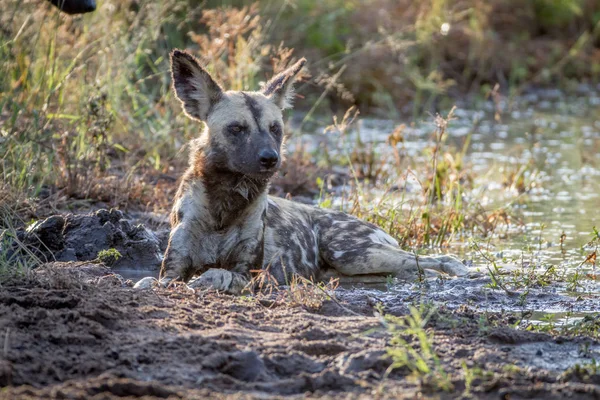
[75, 6]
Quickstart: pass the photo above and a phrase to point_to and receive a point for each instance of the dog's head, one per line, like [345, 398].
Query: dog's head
[244, 129]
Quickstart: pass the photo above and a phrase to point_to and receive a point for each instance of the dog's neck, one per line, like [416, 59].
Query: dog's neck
[228, 194]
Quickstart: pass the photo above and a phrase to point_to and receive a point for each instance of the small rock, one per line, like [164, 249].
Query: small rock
[145, 283]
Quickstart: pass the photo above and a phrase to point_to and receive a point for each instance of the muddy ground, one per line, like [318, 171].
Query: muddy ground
[78, 331]
[74, 328]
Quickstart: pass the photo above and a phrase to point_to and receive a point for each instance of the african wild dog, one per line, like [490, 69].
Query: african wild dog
[223, 222]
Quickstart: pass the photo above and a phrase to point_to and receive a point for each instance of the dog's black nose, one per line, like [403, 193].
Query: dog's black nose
[268, 158]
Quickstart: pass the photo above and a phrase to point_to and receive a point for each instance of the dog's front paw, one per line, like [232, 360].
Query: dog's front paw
[452, 266]
[214, 278]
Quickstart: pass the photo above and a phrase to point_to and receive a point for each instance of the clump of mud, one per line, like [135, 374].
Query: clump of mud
[81, 237]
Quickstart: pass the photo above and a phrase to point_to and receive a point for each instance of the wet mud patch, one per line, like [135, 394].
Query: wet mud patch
[76, 330]
[476, 292]
[82, 237]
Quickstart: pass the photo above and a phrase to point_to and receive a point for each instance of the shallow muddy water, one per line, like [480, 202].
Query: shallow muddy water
[561, 138]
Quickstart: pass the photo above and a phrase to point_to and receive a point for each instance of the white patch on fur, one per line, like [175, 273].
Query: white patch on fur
[379, 236]
[303, 257]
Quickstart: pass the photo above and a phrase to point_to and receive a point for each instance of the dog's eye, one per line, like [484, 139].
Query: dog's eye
[275, 129]
[236, 128]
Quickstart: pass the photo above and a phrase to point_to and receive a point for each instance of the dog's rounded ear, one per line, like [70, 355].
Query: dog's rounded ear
[193, 85]
[280, 89]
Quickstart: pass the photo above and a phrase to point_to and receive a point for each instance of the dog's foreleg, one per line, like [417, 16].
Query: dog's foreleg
[248, 256]
[177, 262]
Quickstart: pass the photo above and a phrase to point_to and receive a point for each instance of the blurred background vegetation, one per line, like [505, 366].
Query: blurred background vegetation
[86, 110]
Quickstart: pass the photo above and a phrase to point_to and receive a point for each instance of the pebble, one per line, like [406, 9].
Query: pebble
[145, 283]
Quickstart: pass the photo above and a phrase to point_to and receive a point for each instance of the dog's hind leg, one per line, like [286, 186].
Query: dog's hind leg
[353, 247]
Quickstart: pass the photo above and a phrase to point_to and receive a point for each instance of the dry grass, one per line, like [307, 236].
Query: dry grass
[299, 292]
[447, 204]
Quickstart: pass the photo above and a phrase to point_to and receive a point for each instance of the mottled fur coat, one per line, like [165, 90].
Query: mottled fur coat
[224, 224]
